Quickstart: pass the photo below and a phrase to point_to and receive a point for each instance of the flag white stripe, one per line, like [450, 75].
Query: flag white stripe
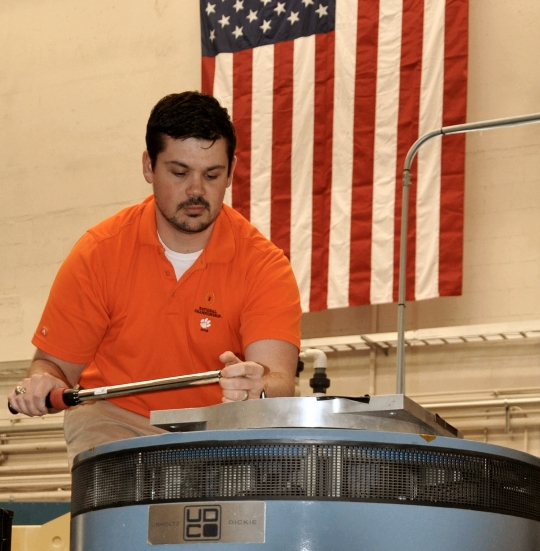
[302, 164]
[223, 91]
[384, 170]
[429, 156]
[261, 137]
[342, 155]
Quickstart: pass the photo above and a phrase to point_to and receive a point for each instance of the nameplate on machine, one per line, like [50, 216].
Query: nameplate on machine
[209, 522]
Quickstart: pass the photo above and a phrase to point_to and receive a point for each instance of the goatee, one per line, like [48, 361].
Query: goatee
[191, 226]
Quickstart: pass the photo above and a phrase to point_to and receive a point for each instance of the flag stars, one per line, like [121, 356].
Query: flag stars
[265, 26]
[239, 5]
[293, 18]
[238, 32]
[252, 16]
[210, 8]
[280, 8]
[322, 10]
[224, 21]
[212, 35]
[266, 2]
[307, 3]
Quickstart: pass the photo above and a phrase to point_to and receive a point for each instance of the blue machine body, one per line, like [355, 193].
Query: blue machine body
[301, 522]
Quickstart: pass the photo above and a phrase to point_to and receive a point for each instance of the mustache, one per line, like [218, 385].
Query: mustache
[194, 202]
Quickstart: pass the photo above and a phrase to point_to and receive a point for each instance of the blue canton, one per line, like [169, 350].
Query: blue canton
[235, 25]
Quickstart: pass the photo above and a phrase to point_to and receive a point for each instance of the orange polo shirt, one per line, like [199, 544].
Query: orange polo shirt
[116, 305]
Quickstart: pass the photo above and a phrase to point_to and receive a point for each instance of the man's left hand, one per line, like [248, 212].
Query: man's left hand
[240, 380]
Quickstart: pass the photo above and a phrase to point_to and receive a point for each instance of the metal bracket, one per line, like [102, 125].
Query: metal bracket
[375, 345]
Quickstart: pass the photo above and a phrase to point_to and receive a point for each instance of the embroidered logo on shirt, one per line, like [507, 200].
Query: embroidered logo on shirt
[205, 324]
[44, 331]
[207, 312]
[208, 300]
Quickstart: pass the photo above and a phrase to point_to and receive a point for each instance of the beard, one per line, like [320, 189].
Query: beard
[193, 225]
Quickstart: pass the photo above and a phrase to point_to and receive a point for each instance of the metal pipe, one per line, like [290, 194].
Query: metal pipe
[456, 416]
[455, 129]
[373, 352]
[496, 392]
[33, 448]
[58, 495]
[495, 402]
[41, 481]
[43, 467]
[499, 424]
[372, 371]
[21, 428]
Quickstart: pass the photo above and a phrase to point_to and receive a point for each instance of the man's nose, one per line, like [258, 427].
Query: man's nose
[196, 186]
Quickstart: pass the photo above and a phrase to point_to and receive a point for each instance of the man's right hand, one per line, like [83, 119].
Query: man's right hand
[29, 395]
[44, 375]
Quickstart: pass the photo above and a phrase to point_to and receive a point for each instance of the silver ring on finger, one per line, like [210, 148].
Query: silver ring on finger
[246, 395]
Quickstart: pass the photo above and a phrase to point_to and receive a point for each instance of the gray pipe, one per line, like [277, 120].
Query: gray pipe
[456, 129]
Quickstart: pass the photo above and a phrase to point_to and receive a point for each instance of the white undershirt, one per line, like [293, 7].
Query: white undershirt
[181, 261]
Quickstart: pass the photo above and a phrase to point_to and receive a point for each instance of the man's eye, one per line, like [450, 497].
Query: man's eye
[211, 176]
[179, 174]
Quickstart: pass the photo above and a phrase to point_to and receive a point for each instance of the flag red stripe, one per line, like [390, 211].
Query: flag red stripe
[242, 99]
[453, 149]
[280, 221]
[363, 152]
[208, 70]
[322, 168]
[408, 121]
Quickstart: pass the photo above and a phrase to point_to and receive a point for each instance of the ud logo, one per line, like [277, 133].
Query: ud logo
[202, 523]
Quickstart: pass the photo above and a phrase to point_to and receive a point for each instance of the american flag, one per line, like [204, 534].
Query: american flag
[327, 96]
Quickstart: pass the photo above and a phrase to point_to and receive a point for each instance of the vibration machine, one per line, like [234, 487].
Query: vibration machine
[305, 474]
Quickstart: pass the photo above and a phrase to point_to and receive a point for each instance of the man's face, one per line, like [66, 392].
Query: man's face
[189, 180]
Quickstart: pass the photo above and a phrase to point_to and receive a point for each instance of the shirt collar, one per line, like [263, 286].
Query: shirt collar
[219, 249]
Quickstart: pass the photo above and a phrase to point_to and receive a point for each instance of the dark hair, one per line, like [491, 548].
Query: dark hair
[188, 115]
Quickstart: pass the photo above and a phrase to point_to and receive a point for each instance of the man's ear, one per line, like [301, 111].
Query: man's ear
[231, 171]
[148, 173]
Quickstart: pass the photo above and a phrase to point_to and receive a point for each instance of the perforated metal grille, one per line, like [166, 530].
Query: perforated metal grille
[311, 471]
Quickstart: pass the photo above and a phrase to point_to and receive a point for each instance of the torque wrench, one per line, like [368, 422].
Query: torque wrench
[63, 398]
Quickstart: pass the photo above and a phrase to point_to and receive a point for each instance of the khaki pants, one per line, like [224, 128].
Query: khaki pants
[100, 421]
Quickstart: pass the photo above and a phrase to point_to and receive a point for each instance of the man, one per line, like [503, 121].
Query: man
[178, 284]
